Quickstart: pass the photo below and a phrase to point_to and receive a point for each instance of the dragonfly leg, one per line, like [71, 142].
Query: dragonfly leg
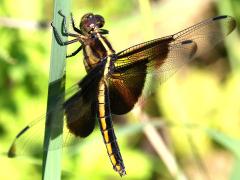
[64, 27]
[74, 27]
[59, 39]
[75, 52]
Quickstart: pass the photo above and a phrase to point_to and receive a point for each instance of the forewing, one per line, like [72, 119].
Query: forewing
[207, 33]
[162, 57]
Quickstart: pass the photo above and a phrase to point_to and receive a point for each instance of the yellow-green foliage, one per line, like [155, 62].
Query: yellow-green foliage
[191, 100]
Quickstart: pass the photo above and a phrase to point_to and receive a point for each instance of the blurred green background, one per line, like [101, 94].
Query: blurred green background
[196, 112]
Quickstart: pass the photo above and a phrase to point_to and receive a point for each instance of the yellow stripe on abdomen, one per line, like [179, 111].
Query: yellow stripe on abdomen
[109, 148]
[101, 110]
[105, 122]
[106, 136]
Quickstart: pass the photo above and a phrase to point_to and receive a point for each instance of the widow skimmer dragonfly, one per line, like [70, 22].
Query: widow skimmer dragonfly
[115, 81]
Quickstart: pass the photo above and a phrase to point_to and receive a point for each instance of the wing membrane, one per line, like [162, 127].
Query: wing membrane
[79, 118]
[163, 57]
[208, 33]
[205, 34]
[80, 108]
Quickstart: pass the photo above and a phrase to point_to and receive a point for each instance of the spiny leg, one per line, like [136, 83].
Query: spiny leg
[75, 52]
[58, 38]
[64, 32]
[104, 31]
[64, 27]
[74, 27]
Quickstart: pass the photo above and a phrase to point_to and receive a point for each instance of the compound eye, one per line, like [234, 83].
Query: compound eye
[90, 17]
[100, 21]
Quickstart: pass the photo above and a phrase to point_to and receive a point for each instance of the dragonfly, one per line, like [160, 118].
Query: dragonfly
[115, 80]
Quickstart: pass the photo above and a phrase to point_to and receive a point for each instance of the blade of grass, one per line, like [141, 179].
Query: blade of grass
[229, 143]
[52, 159]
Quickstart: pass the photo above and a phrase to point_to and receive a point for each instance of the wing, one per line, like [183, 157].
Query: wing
[162, 57]
[80, 108]
[79, 119]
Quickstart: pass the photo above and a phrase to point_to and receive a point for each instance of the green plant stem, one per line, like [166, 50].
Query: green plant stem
[54, 122]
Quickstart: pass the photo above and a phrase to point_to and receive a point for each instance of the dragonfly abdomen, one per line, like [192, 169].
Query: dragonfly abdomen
[106, 126]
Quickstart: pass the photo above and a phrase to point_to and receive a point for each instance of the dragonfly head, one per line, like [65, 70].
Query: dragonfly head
[91, 23]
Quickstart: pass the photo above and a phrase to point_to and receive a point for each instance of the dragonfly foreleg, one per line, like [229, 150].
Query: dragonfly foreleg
[74, 27]
[59, 39]
[75, 52]
[64, 26]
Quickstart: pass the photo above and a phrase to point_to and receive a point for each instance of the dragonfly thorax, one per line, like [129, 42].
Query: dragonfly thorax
[95, 51]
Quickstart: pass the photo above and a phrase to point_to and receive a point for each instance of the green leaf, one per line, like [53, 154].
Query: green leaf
[52, 159]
